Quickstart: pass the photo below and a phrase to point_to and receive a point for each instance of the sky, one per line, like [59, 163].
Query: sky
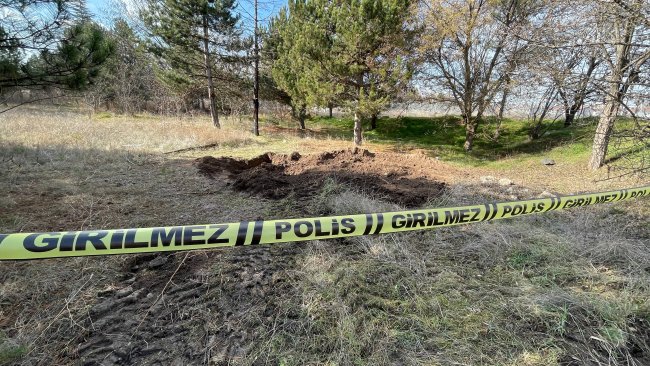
[266, 9]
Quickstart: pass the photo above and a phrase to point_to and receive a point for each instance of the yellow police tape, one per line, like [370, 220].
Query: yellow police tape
[126, 241]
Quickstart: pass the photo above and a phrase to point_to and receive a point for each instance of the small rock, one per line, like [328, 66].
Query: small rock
[295, 156]
[158, 262]
[548, 161]
[505, 182]
[546, 194]
[488, 179]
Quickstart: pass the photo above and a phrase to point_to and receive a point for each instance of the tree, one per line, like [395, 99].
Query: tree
[42, 45]
[625, 49]
[269, 88]
[189, 34]
[130, 73]
[353, 52]
[471, 47]
[256, 76]
[564, 41]
[575, 83]
[290, 83]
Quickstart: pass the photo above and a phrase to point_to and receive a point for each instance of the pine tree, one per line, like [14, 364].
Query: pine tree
[288, 70]
[80, 12]
[47, 48]
[351, 53]
[190, 33]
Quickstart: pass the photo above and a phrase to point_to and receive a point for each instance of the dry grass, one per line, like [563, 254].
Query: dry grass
[60, 171]
[570, 286]
[541, 290]
[45, 128]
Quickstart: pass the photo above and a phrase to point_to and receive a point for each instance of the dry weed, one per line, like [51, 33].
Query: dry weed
[73, 133]
[539, 290]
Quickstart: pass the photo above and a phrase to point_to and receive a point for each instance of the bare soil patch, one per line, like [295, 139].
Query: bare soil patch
[208, 315]
[410, 180]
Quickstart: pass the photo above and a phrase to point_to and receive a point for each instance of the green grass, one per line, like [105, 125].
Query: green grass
[445, 136]
[11, 354]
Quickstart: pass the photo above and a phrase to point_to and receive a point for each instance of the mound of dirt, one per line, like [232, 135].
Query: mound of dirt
[409, 180]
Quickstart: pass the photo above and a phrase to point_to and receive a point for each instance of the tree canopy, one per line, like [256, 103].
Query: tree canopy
[351, 52]
[190, 36]
[43, 44]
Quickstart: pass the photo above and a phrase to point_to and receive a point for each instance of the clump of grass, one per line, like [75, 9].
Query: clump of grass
[511, 292]
[10, 352]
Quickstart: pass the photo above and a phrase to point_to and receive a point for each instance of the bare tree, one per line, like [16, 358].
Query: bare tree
[539, 112]
[471, 47]
[95, 96]
[575, 83]
[625, 49]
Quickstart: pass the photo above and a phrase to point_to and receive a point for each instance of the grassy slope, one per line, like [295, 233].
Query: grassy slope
[544, 290]
[445, 137]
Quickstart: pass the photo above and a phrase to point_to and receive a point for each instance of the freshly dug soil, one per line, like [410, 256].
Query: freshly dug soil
[409, 180]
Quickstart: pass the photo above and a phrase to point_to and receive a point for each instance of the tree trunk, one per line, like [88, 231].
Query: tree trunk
[603, 132]
[330, 112]
[302, 113]
[617, 91]
[373, 122]
[357, 129]
[208, 73]
[256, 83]
[570, 115]
[470, 132]
[580, 95]
[502, 106]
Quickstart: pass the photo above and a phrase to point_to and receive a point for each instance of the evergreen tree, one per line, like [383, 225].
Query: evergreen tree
[80, 12]
[286, 73]
[188, 34]
[42, 46]
[345, 52]
[128, 75]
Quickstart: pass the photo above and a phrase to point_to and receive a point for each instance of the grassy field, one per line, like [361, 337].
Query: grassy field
[563, 288]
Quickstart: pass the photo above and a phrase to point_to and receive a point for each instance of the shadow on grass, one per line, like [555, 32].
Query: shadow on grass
[445, 136]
